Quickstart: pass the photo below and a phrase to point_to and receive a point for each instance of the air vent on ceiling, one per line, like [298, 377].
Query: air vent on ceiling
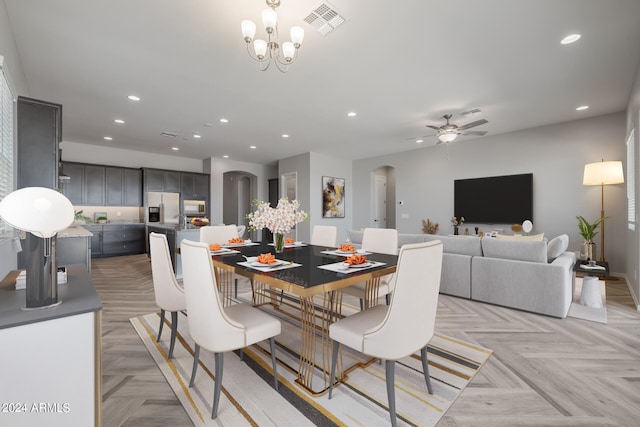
[169, 134]
[324, 18]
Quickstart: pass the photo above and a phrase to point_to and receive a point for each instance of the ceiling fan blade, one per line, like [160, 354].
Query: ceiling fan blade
[433, 127]
[473, 124]
[475, 132]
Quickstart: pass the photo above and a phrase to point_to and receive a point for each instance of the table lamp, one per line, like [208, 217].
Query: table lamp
[603, 173]
[41, 212]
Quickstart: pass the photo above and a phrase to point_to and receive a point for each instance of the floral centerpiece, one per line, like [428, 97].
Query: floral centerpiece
[455, 222]
[279, 220]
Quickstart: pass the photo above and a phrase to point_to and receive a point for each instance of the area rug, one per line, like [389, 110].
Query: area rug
[588, 313]
[248, 397]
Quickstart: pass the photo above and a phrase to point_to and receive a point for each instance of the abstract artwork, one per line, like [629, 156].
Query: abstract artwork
[332, 197]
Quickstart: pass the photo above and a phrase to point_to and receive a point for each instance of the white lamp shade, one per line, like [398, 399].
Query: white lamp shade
[38, 210]
[260, 46]
[297, 35]
[603, 173]
[447, 136]
[269, 18]
[288, 50]
[248, 30]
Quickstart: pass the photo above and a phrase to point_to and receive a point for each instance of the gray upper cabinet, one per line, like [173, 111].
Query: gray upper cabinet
[161, 180]
[97, 185]
[195, 186]
[114, 179]
[123, 186]
[132, 187]
[39, 130]
[72, 188]
[93, 191]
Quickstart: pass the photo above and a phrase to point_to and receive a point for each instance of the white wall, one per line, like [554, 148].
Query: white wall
[556, 156]
[633, 236]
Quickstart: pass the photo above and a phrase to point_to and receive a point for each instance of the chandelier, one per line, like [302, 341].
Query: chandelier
[271, 50]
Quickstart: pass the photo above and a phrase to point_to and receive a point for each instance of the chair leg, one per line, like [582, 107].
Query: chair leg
[241, 355]
[161, 324]
[218, 385]
[425, 368]
[174, 330]
[361, 304]
[387, 297]
[334, 358]
[235, 291]
[272, 344]
[196, 357]
[389, 367]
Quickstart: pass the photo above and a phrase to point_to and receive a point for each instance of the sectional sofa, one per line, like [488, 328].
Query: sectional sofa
[535, 276]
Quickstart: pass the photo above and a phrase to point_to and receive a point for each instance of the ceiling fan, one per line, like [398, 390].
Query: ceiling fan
[449, 132]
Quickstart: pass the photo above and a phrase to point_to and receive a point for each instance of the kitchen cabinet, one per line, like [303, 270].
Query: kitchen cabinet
[116, 239]
[161, 180]
[123, 186]
[96, 239]
[72, 188]
[194, 186]
[39, 131]
[170, 232]
[93, 188]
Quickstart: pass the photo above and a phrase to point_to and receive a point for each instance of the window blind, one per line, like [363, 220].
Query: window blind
[631, 187]
[6, 145]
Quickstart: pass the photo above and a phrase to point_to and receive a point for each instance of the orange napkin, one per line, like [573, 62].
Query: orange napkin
[214, 247]
[236, 240]
[347, 247]
[266, 258]
[289, 241]
[356, 259]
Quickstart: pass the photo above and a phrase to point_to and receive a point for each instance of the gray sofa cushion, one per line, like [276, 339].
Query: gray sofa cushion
[404, 239]
[463, 245]
[515, 250]
[557, 246]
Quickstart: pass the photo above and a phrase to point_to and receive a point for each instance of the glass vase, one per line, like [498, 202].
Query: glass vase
[278, 242]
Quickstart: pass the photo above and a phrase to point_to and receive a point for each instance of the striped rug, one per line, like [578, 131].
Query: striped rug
[249, 399]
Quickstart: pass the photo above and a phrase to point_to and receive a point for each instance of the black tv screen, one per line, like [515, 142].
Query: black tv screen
[494, 200]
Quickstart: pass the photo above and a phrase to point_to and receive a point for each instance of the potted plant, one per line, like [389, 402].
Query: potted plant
[588, 231]
[102, 220]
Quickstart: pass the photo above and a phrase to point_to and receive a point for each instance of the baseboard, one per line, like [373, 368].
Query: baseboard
[633, 295]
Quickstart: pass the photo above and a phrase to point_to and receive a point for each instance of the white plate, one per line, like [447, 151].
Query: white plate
[220, 251]
[275, 264]
[364, 264]
[338, 251]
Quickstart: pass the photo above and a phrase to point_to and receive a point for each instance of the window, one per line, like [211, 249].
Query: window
[631, 186]
[6, 144]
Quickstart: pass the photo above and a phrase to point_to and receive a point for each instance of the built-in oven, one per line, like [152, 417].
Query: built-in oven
[194, 208]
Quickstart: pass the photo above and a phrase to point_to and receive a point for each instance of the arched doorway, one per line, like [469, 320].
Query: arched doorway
[238, 191]
[383, 197]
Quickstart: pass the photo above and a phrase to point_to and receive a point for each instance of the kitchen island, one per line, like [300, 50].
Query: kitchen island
[73, 246]
[175, 233]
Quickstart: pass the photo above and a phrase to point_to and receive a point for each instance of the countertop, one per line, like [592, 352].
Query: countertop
[74, 231]
[174, 227]
[78, 296]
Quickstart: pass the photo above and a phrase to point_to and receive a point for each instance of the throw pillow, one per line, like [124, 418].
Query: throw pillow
[557, 246]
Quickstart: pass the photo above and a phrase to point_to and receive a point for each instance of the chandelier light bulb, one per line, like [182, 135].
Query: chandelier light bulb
[260, 46]
[297, 35]
[288, 50]
[269, 19]
[248, 30]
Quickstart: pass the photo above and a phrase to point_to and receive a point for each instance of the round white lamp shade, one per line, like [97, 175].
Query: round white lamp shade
[38, 210]
[527, 226]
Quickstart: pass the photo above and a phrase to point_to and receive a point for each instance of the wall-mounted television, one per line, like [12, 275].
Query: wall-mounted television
[494, 200]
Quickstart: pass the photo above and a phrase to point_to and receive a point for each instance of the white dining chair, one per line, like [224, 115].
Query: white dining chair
[214, 327]
[403, 327]
[324, 235]
[169, 294]
[377, 240]
[218, 233]
[241, 230]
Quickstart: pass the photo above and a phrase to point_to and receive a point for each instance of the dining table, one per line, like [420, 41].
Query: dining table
[314, 277]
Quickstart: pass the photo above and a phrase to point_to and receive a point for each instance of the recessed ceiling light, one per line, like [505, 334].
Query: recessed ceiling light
[197, 136]
[582, 108]
[108, 138]
[175, 148]
[351, 114]
[119, 121]
[571, 38]
[224, 120]
[133, 98]
[225, 156]
[419, 141]
[284, 135]
[253, 147]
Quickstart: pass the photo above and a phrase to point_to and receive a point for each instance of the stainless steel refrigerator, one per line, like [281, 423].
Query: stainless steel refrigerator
[169, 204]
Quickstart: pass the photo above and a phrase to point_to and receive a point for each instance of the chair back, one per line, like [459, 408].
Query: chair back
[218, 233]
[324, 235]
[410, 320]
[241, 230]
[169, 295]
[380, 240]
[209, 326]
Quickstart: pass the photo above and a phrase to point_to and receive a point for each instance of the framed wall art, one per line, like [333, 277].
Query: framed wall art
[332, 197]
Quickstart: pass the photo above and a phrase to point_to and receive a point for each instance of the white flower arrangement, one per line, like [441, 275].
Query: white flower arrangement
[279, 220]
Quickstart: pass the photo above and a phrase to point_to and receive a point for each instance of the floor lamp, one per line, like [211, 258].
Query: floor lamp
[603, 173]
[42, 212]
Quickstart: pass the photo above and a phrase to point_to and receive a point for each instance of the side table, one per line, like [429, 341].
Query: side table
[590, 295]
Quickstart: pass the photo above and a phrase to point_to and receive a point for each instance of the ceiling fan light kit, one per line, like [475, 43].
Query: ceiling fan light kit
[271, 50]
[449, 132]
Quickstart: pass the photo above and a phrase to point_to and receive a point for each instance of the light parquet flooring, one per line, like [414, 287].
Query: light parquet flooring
[543, 372]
